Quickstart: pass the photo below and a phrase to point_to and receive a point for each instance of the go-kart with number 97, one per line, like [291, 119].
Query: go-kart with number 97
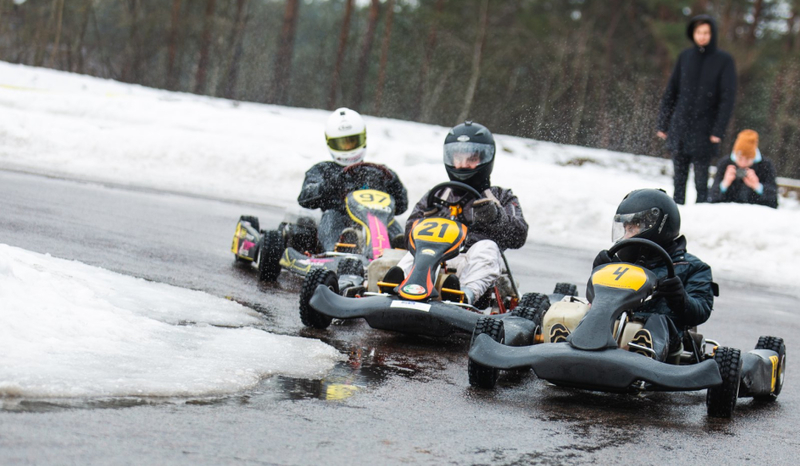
[425, 302]
[595, 356]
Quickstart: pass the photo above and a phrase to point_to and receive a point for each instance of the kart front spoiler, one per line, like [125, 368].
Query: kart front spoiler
[605, 370]
[392, 313]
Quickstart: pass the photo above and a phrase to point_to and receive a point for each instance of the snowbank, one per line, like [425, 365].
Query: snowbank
[71, 330]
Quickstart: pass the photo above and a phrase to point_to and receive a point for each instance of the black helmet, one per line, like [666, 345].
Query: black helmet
[649, 214]
[470, 147]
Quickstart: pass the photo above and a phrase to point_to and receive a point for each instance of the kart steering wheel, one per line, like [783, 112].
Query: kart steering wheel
[470, 194]
[647, 244]
[356, 167]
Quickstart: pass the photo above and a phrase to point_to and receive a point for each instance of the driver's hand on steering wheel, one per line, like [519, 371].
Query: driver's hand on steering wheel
[602, 259]
[481, 212]
[671, 289]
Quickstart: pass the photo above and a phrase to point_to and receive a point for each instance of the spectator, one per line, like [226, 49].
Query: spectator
[696, 106]
[745, 177]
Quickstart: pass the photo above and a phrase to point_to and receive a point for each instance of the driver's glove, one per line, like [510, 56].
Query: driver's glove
[671, 289]
[601, 259]
[482, 212]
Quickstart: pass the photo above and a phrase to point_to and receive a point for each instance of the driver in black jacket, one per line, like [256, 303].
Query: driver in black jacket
[495, 221]
[681, 302]
[327, 183]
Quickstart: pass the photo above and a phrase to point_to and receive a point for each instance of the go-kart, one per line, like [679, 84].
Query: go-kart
[294, 246]
[595, 356]
[425, 302]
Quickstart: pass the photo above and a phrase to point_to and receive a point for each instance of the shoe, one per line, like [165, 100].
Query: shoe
[393, 277]
[642, 343]
[451, 290]
[558, 333]
[348, 241]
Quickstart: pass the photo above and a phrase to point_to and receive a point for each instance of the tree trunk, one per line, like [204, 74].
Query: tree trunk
[130, 71]
[477, 54]
[757, 11]
[363, 60]
[205, 46]
[337, 70]
[608, 65]
[430, 46]
[77, 49]
[283, 62]
[237, 49]
[171, 81]
[387, 35]
[59, 22]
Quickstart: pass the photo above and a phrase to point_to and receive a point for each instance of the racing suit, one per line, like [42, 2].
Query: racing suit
[480, 265]
[326, 185]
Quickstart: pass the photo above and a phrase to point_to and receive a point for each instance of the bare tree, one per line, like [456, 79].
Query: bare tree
[430, 46]
[205, 46]
[337, 68]
[59, 5]
[236, 44]
[171, 81]
[283, 62]
[366, 48]
[477, 54]
[387, 35]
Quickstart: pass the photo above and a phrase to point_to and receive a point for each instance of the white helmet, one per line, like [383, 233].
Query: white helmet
[346, 135]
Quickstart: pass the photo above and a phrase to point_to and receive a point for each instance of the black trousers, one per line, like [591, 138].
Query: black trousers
[664, 333]
[334, 221]
[681, 162]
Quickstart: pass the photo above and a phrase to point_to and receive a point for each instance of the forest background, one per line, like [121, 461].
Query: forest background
[585, 72]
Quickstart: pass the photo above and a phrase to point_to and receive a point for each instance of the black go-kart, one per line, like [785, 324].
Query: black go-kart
[595, 355]
[425, 302]
[294, 246]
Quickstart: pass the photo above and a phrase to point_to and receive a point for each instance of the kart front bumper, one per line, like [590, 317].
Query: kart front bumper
[605, 370]
[392, 313]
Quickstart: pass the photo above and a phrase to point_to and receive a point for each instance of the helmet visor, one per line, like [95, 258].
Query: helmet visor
[467, 154]
[347, 143]
[630, 225]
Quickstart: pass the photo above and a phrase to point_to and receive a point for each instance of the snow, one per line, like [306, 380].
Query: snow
[86, 128]
[71, 330]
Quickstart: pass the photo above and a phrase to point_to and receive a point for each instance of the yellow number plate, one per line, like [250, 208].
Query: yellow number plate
[372, 199]
[620, 276]
[437, 230]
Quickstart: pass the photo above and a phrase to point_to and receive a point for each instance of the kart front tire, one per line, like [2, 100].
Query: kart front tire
[721, 400]
[351, 266]
[479, 375]
[269, 256]
[777, 345]
[535, 300]
[252, 220]
[310, 316]
[567, 289]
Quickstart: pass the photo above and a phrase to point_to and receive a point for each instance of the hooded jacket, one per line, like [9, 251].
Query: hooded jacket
[740, 192]
[510, 230]
[698, 101]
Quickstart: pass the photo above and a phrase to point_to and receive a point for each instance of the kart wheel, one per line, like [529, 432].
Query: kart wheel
[535, 300]
[774, 344]
[567, 289]
[351, 266]
[310, 316]
[526, 313]
[269, 256]
[721, 400]
[252, 220]
[480, 375]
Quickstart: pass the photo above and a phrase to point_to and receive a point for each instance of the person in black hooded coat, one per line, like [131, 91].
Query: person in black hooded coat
[696, 106]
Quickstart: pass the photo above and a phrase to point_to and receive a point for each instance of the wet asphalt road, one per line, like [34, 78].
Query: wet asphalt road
[413, 404]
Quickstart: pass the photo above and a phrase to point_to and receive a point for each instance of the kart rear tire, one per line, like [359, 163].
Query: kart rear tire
[479, 375]
[526, 313]
[351, 266]
[777, 345]
[269, 256]
[567, 289]
[721, 400]
[252, 220]
[310, 316]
